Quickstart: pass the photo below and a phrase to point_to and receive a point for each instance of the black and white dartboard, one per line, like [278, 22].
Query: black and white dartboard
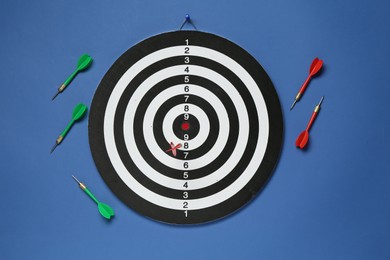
[185, 127]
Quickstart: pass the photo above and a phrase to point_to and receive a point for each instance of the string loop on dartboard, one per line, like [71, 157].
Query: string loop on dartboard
[187, 19]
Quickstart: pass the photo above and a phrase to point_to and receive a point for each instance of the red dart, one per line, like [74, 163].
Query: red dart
[304, 136]
[315, 66]
[173, 148]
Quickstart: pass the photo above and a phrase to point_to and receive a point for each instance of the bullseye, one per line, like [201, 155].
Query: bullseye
[185, 127]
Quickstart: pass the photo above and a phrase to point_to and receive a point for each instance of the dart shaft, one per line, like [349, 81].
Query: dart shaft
[311, 121]
[89, 193]
[304, 86]
[67, 128]
[70, 78]
[314, 115]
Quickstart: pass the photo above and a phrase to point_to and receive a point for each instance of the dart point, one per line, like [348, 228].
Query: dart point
[293, 104]
[52, 149]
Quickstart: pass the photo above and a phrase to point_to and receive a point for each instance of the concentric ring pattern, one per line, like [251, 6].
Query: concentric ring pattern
[206, 98]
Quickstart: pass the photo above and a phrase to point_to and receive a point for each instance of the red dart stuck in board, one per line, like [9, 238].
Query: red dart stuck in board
[303, 138]
[173, 148]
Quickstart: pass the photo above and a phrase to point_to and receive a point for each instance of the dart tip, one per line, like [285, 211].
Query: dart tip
[76, 179]
[293, 104]
[54, 147]
[322, 99]
[55, 95]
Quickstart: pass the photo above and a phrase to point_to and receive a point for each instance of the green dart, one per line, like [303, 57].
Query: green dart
[79, 112]
[83, 63]
[105, 210]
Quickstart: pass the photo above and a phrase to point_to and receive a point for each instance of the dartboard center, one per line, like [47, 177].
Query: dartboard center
[185, 126]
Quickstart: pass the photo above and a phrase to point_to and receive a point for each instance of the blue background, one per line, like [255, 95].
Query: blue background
[329, 202]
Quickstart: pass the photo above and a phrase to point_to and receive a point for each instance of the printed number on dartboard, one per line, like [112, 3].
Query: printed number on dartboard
[186, 117]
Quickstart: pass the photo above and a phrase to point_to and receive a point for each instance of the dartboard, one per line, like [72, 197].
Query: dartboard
[185, 127]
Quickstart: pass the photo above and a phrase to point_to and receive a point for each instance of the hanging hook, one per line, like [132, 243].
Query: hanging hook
[187, 19]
